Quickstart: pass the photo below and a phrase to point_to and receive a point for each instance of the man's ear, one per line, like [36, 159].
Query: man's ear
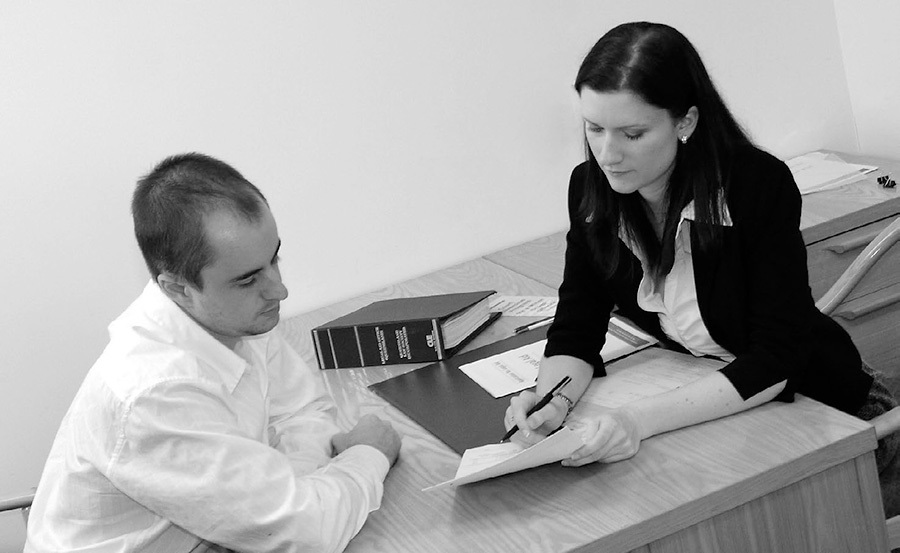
[176, 289]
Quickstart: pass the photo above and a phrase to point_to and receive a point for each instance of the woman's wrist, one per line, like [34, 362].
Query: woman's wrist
[565, 402]
[639, 419]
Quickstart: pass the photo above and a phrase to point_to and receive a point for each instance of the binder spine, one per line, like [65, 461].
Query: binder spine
[397, 330]
[438, 339]
[362, 361]
[416, 341]
[333, 354]
[321, 354]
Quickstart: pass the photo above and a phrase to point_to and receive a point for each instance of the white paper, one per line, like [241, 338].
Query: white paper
[525, 306]
[508, 372]
[489, 461]
[817, 171]
[517, 369]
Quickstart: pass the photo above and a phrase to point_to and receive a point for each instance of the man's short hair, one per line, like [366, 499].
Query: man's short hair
[169, 206]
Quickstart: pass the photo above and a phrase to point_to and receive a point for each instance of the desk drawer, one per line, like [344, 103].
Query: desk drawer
[873, 321]
[828, 259]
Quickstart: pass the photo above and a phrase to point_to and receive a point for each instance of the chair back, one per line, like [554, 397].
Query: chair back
[886, 423]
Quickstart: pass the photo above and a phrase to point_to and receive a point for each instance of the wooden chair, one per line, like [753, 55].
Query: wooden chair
[858, 269]
[19, 502]
[889, 422]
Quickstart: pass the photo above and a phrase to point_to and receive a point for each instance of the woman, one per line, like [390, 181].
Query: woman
[685, 227]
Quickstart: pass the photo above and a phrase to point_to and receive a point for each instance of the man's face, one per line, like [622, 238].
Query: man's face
[242, 287]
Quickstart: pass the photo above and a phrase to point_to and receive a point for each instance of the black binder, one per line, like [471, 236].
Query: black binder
[449, 404]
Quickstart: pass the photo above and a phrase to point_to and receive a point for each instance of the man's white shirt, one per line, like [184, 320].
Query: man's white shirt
[175, 442]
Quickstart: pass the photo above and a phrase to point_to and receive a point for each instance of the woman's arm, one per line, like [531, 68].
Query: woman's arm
[585, 301]
[617, 433]
[577, 334]
[753, 291]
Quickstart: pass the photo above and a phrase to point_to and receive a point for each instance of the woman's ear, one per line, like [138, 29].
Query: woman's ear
[687, 124]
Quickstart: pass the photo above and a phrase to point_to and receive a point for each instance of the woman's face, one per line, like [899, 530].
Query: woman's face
[634, 142]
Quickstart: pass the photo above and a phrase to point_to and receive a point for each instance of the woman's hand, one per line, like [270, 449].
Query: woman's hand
[613, 436]
[541, 423]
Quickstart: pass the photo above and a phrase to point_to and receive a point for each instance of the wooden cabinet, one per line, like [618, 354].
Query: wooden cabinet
[837, 225]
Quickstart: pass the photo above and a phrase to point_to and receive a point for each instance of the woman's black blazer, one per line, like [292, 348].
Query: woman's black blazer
[752, 290]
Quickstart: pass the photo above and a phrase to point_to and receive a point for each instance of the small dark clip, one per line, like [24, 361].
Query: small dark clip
[886, 181]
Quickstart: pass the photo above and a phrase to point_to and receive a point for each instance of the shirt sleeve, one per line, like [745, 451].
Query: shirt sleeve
[182, 455]
[582, 314]
[777, 323]
[301, 412]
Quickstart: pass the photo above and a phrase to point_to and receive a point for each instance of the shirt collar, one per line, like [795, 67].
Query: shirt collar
[687, 214]
[164, 321]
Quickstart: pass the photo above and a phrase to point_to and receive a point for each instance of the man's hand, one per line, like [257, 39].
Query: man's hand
[372, 431]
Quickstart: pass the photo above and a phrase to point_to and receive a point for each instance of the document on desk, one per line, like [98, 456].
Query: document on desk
[817, 171]
[508, 372]
[489, 461]
[516, 370]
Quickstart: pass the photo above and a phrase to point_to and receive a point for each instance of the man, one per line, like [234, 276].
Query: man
[199, 427]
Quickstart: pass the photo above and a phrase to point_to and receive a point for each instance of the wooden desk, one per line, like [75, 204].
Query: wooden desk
[748, 483]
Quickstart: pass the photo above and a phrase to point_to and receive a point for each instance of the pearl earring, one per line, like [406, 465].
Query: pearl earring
[683, 139]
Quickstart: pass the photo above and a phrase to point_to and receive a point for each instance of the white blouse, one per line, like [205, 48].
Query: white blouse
[674, 299]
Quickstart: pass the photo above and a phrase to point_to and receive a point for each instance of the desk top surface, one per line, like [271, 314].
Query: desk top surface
[675, 480]
[852, 204]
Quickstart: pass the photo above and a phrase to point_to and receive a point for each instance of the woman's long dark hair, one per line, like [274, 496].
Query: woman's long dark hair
[659, 65]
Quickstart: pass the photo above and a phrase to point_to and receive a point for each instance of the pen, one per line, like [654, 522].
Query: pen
[536, 324]
[539, 405]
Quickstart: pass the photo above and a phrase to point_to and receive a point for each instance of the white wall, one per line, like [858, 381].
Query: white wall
[392, 138]
[871, 48]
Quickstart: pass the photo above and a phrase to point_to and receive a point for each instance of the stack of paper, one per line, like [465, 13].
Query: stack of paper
[525, 306]
[817, 171]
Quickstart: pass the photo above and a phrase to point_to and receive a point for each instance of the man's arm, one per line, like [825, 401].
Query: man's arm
[302, 415]
[183, 455]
